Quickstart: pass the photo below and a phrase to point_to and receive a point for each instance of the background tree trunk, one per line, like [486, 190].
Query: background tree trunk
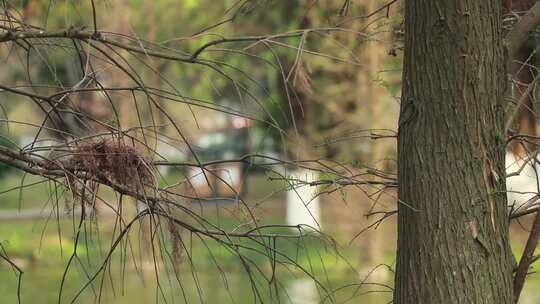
[369, 90]
[452, 223]
[523, 68]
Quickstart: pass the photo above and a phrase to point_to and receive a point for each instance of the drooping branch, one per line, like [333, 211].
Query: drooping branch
[107, 63]
[82, 34]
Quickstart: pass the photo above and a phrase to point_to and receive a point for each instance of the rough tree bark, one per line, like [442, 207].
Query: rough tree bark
[453, 228]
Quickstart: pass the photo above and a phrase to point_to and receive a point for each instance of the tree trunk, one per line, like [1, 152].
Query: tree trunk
[523, 68]
[452, 227]
[374, 93]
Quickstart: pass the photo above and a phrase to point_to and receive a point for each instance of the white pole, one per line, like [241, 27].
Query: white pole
[302, 201]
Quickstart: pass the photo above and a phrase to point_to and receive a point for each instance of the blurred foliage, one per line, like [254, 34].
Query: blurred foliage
[326, 101]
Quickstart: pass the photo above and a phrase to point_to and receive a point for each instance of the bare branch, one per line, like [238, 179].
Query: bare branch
[527, 258]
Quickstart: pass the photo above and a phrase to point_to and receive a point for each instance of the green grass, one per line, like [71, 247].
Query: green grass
[217, 270]
[210, 270]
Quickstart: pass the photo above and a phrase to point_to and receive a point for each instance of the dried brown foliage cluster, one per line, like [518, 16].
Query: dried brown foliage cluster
[115, 161]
